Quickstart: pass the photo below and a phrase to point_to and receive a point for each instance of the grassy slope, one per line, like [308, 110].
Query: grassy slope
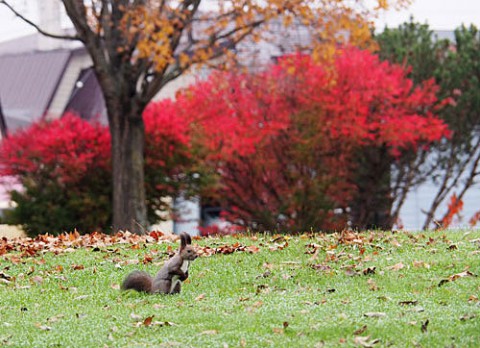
[273, 298]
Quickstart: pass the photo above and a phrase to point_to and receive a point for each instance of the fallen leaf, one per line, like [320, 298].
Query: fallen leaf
[425, 325]
[321, 267]
[395, 243]
[421, 264]
[408, 303]
[375, 314]
[373, 285]
[258, 304]
[369, 270]
[210, 332]
[473, 298]
[200, 297]
[148, 321]
[456, 276]
[43, 327]
[466, 317]
[37, 280]
[265, 275]
[361, 330]
[82, 297]
[384, 298]
[365, 341]
[5, 277]
[396, 267]
[78, 267]
[351, 272]
[262, 289]
[55, 318]
[163, 323]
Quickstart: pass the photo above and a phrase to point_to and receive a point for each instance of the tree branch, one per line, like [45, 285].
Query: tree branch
[37, 27]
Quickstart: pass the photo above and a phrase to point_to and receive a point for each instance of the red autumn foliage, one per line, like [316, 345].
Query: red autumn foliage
[64, 150]
[284, 140]
[455, 206]
[283, 143]
[65, 169]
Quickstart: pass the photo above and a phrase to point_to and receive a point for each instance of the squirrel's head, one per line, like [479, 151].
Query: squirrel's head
[187, 251]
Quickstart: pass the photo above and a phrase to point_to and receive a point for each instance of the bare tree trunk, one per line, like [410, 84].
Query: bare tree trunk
[128, 138]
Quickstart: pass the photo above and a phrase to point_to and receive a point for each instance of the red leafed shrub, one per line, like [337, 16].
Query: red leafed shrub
[64, 149]
[65, 170]
[286, 141]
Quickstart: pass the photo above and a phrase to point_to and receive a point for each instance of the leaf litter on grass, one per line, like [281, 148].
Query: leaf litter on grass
[367, 256]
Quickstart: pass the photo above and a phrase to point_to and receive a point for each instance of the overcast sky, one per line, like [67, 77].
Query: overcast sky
[439, 14]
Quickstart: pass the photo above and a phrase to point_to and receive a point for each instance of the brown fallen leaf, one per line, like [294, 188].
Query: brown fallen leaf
[148, 321]
[369, 270]
[456, 276]
[5, 276]
[425, 325]
[408, 303]
[473, 298]
[266, 274]
[361, 330]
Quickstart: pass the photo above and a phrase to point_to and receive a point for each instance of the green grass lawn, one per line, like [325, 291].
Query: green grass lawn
[372, 289]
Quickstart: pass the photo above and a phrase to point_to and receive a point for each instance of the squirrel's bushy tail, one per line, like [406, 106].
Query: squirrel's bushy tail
[139, 281]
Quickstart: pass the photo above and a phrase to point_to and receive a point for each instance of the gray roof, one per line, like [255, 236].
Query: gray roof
[28, 82]
[87, 98]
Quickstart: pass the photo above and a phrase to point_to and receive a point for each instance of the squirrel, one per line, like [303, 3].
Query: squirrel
[170, 277]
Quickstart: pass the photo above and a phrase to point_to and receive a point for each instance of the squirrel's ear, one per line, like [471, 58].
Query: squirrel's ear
[185, 240]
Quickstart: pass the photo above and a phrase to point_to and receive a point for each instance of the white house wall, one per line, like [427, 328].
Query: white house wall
[412, 214]
[78, 62]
